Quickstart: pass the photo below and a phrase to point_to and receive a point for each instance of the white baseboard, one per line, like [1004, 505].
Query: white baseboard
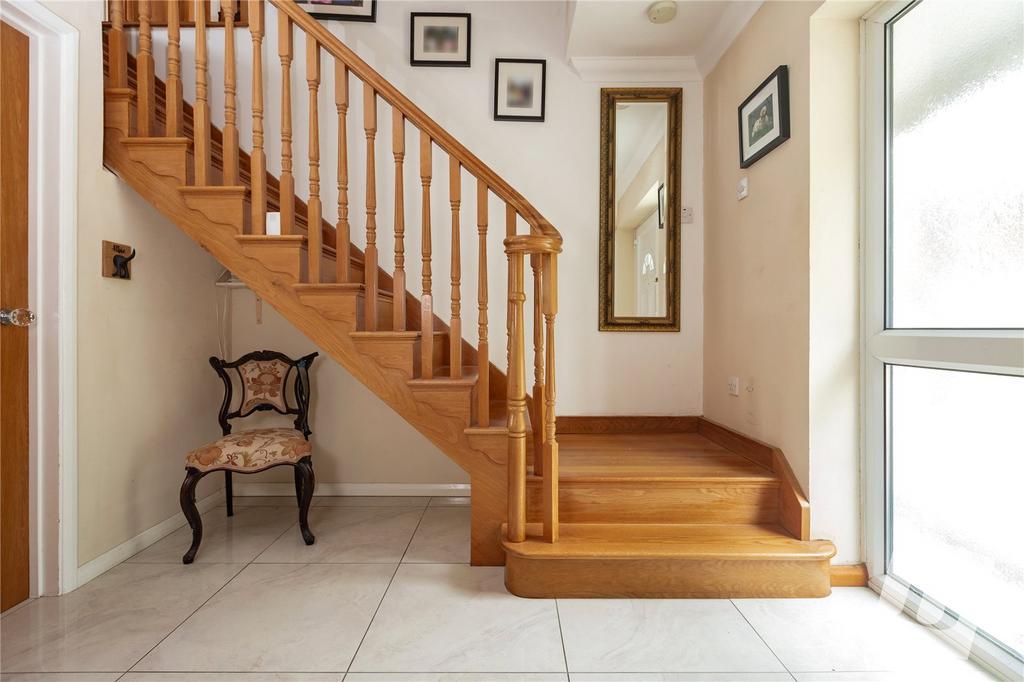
[355, 489]
[128, 548]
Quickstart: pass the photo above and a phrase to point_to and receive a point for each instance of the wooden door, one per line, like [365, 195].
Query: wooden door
[14, 74]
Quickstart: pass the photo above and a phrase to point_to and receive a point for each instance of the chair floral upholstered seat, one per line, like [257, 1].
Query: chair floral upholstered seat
[267, 379]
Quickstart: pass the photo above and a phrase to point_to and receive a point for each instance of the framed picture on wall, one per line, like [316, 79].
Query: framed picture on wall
[439, 39]
[342, 10]
[764, 118]
[519, 89]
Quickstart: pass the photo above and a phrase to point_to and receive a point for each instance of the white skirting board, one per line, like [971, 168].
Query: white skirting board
[242, 489]
[129, 548]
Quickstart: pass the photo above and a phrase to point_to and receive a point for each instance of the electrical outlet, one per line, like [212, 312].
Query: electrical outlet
[734, 386]
[687, 214]
[742, 189]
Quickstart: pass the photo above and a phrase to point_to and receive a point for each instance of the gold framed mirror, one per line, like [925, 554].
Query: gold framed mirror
[640, 203]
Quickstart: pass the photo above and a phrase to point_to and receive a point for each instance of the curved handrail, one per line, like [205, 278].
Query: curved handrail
[532, 243]
[421, 120]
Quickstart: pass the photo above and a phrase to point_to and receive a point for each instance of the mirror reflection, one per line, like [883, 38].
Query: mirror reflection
[639, 236]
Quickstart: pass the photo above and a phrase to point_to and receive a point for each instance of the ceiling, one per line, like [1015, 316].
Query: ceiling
[701, 29]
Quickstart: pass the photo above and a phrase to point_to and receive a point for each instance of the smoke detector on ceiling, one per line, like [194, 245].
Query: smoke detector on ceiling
[662, 12]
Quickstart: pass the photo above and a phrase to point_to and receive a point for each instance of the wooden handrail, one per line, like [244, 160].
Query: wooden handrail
[441, 137]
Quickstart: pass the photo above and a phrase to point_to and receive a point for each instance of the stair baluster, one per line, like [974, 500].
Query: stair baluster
[342, 231]
[174, 99]
[483, 386]
[426, 300]
[370, 255]
[550, 456]
[258, 165]
[201, 110]
[455, 335]
[287, 182]
[516, 403]
[537, 413]
[145, 102]
[398, 149]
[117, 63]
[510, 231]
[229, 145]
[314, 233]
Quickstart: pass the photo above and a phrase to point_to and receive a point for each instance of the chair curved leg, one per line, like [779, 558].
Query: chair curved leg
[188, 507]
[306, 482]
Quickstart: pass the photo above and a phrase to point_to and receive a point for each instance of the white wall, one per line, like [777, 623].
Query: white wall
[144, 398]
[554, 164]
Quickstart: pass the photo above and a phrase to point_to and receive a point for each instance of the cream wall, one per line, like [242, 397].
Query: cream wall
[781, 284]
[144, 395]
[756, 250]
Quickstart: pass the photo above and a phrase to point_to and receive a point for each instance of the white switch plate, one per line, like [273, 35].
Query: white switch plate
[687, 214]
[742, 189]
[734, 385]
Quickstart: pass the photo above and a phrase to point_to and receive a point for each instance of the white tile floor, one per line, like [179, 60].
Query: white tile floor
[386, 594]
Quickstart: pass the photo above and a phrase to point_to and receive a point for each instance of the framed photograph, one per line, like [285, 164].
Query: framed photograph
[764, 118]
[439, 39]
[342, 10]
[519, 89]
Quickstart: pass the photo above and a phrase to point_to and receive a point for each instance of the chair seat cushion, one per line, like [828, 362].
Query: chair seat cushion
[250, 451]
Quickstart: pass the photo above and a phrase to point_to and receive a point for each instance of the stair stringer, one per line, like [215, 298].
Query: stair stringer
[481, 452]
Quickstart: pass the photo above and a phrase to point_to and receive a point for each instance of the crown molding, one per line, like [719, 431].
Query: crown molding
[636, 69]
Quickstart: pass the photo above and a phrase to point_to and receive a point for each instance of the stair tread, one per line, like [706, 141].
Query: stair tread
[659, 541]
[386, 334]
[135, 140]
[441, 378]
[654, 457]
[342, 287]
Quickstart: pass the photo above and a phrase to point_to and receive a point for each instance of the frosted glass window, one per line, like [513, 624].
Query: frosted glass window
[957, 166]
[957, 462]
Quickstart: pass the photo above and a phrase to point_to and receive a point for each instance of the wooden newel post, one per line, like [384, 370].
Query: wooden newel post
[550, 456]
[516, 404]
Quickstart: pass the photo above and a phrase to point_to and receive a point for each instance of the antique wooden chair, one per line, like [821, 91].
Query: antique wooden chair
[267, 380]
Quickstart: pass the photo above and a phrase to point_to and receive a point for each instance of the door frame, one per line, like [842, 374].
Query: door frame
[53, 295]
[997, 351]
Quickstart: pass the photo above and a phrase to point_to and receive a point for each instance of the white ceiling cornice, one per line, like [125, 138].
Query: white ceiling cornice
[725, 31]
[636, 69]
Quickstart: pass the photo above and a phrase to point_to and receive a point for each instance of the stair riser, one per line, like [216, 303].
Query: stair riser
[666, 578]
[284, 259]
[398, 354]
[646, 502]
[448, 402]
[167, 161]
[224, 210]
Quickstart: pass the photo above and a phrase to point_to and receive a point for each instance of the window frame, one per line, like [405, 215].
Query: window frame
[995, 351]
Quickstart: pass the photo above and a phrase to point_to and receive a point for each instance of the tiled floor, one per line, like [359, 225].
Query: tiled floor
[386, 594]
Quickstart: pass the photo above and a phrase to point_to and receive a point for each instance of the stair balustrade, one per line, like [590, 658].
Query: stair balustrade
[541, 245]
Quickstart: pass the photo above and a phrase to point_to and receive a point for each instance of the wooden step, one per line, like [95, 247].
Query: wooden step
[667, 561]
[345, 302]
[221, 205]
[164, 156]
[447, 396]
[657, 478]
[397, 350]
[282, 254]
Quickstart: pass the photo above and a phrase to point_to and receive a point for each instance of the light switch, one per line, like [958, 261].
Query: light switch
[687, 214]
[742, 189]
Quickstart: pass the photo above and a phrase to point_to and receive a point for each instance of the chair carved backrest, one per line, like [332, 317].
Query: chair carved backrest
[268, 380]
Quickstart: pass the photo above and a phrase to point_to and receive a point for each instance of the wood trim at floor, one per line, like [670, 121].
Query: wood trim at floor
[634, 424]
[850, 575]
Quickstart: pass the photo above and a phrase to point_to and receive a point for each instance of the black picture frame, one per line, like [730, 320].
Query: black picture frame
[413, 61]
[543, 88]
[781, 76]
[308, 8]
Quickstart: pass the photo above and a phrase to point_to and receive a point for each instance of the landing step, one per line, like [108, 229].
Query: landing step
[666, 561]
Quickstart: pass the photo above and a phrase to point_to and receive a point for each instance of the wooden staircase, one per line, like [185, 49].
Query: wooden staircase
[690, 510]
